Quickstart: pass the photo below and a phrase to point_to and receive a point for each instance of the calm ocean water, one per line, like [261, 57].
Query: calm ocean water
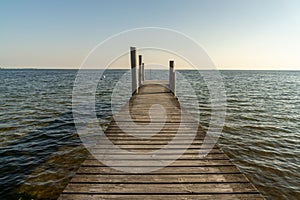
[40, 150]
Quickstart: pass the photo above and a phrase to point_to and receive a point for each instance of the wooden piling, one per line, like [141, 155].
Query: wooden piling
[134, 75]
[172, 77]
[140, 70]
[174, 83]
[143, 72]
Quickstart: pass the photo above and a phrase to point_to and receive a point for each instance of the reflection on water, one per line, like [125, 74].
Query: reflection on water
[40, 150]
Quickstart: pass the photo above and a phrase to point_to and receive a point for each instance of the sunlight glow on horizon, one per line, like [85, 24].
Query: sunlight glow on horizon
[237, 35]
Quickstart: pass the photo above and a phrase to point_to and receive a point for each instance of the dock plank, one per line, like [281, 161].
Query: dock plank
[188, 177]
[161, 196]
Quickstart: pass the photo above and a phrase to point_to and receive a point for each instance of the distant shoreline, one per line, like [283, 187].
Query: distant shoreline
[288, 70]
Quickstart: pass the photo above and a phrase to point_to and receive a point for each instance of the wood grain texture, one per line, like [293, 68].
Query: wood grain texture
[188, 177]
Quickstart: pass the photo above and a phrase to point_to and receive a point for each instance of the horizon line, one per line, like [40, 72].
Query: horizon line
[225, 69]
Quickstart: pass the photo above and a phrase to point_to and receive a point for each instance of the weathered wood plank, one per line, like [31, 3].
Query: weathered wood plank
[148, 178]
[146, 146]
[161, 196]
[139, 151]
[120, 142]
[179, 163]
[215, 156]
[157, 188]
[166, 170]
[188, 177]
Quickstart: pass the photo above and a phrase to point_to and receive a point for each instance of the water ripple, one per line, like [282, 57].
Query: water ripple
[40, 150]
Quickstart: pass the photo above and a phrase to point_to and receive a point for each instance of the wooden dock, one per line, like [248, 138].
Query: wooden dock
[189, 177]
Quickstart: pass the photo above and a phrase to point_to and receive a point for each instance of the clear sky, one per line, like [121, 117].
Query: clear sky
[237, 34]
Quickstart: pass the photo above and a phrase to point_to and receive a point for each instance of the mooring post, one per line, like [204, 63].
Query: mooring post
[171, 66]
[134, 71]
[174, 82]
[172, 77]
[143, 72]
[140, 70]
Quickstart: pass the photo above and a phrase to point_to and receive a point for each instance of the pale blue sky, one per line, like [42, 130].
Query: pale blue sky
[237, 34]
